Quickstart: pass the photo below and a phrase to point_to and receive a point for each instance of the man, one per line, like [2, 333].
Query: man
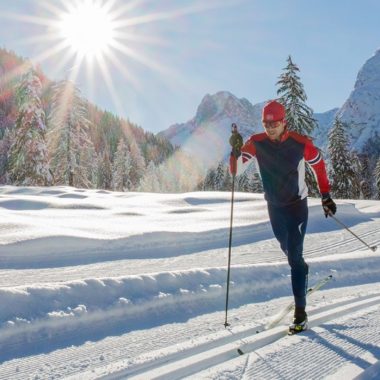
[281, 156]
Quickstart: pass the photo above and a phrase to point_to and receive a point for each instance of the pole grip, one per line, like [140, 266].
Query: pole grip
[233, 165]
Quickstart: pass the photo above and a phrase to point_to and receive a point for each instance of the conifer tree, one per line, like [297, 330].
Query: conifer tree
[104, 178]
[150, 181]
[5, 144]
[227, 185]
[293, 96]
[253, 183]
[219, 177]
[209, 181]
[137, 164]
[28, 156]
[242, 182]
[299, 116]
[121, 168]
[344, 179]
[365, 175]
[88, 161]
[256, 185]
[377, 178]
[180, 173]
[68, 136]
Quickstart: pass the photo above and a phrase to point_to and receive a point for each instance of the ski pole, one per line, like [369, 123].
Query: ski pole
[229, 248]
[351, 232]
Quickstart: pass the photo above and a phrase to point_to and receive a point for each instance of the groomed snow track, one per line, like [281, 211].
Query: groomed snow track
[196, 358]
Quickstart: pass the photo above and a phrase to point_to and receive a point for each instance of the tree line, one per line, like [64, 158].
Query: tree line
[50, 135]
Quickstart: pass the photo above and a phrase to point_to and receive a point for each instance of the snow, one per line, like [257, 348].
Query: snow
[360, 110]
[99, 284]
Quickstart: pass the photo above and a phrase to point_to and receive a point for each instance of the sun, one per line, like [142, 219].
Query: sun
[100, 44]
[87, 29]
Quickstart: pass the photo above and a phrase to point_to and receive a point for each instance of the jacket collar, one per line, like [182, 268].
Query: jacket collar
[285, 135]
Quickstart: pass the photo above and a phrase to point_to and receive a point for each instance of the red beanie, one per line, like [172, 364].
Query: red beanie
[273, 111]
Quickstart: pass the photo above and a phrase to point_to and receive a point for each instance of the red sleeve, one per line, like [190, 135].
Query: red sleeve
[313, 156]
[248, 150]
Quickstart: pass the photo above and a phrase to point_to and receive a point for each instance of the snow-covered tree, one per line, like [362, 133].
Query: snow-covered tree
[5, 144]
[242, 182]
[299, 115]
[104, 171]
[377, 178]
[219, 177]
[227, 186]
[365, 175]
[253, 183]
[256, 184]
[293, 96]
[150, 181]
[28, 156]
[137, 164]
[344, 179]
[121, 168]
[209, 181]
[87, 170]
[68, 136]
[180, 173]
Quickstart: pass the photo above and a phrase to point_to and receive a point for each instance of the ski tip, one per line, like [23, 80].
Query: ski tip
[240, 352]
[374, 248]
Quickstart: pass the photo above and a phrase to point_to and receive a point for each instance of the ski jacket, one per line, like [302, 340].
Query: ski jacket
[282, 166]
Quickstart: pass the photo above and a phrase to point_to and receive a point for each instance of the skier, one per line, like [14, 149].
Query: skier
[281, 156]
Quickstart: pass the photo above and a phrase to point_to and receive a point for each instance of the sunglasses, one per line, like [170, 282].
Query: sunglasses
[272, 124]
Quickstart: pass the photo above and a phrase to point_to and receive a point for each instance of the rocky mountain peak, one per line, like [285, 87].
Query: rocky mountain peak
[369, 74]
[361, 111]
[221, 103]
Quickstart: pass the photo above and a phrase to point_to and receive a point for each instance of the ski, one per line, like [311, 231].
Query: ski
[288, 308]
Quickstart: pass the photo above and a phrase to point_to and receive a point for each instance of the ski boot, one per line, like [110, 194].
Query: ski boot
[299, 322]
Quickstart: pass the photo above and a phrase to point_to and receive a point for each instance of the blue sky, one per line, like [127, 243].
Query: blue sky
[239, 46]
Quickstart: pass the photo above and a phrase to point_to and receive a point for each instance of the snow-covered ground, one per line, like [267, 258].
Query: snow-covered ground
[95, 284]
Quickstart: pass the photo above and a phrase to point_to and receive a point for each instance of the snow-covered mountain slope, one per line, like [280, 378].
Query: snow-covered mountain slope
[325, 121]
[362, 108]
[207, 134]
[97, 284]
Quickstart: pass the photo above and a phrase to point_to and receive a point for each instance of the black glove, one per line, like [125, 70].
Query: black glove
[329, 206]
[236, 142]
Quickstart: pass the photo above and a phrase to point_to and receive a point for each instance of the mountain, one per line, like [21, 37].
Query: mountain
[325, 121]
[207, 134]
[213, 120]
[362, 108]
[215, 114]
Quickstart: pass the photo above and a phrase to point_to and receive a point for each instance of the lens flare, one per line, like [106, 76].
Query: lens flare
[87, 29]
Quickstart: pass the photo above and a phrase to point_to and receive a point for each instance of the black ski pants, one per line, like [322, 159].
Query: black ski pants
[289, 227]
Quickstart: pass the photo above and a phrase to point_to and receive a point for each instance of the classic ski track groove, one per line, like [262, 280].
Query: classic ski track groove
[349, 242]
[76, 360]
[197, 358]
